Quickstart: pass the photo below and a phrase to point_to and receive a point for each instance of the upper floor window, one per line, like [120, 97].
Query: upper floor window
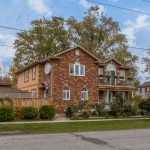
[26, 75]
[66, 93]
[33, 72]
[100, 71]
[77, 52]
[77, 69]
[122, 74]
[84, 94]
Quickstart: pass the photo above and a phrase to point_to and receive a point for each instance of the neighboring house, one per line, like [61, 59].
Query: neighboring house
[7, 90]
[144, 90]
[74, 75]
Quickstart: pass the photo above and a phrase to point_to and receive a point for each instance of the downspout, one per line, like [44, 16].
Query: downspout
[51, 85]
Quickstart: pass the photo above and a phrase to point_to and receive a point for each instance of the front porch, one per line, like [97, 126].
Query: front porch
[110, 95]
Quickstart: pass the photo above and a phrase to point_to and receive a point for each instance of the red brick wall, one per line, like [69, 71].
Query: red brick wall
[61, 78]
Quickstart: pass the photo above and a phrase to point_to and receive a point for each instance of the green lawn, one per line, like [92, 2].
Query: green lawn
[77, 126]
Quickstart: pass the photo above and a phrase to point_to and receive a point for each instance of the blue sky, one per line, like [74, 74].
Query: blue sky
[19, 14]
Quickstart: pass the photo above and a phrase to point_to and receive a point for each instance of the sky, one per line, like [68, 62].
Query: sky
[19, 14]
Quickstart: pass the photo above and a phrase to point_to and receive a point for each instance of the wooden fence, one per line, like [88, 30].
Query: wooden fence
[33, 103]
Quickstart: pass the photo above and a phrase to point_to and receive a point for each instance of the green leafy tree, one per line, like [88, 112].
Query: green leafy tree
[45, 38]
[101, 35]
[97, 33]
[146, 60]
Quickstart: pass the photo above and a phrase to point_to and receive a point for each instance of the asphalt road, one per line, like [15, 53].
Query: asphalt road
[107, 140]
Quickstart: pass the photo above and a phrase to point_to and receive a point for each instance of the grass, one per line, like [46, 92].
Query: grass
[58, 127]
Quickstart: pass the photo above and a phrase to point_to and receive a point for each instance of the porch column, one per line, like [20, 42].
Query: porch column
[107, 96]
[132, 93]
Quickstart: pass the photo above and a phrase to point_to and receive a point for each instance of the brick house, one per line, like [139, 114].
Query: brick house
[75, 75]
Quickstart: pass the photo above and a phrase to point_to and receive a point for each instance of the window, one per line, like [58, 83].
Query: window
[26, 75]
[33, 72]
[110, 73]
[140, 90]
[77, 69]
[122, 73]
[77, 52]
[82, 70]
[145, 89]
[33, 93]
[66, 93]
[100, 71]
[84, 94]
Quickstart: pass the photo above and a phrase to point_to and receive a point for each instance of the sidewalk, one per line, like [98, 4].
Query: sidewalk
[61, 119]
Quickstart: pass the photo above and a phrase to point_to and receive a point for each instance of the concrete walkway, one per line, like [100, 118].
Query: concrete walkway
[60, 119]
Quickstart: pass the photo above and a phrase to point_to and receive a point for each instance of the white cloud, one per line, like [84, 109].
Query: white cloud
[142, 22]
[7, 39]
[40, 7]
[6, 53]
[86, 4]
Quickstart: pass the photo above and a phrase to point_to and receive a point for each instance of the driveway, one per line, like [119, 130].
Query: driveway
[107, 140]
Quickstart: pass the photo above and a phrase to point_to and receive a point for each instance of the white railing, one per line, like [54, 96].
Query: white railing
[16, 95]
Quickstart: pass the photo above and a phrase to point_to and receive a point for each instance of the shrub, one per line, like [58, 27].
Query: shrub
[135, 102]
[145, 105]
[115, 109]
[100, 109]
[47, 112]
[127, 110]
[85, 114]
[29, 113]
[70, 111]
[6, 113]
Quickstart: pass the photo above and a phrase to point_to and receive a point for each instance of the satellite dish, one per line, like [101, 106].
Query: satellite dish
[47, 68]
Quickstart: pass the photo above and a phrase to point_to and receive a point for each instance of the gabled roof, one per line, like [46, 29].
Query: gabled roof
[113, 59]
[81, 48]
[145, 84]
[56, 56]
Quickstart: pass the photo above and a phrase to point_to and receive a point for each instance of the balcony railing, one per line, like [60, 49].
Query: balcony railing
[115, 81]
[16, 95]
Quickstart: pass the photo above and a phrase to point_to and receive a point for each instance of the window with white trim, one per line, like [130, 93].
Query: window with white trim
[66, 93]
[100, 71]
[122, 73]
[84, 94]
[33, 72]
[77, 69]
[26, 75]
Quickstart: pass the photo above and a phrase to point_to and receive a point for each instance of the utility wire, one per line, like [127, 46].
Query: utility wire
[132, 47]
[17, 29]
[6, 45]
[119, 7]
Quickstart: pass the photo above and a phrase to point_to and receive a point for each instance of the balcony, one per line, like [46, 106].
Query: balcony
[115, 81]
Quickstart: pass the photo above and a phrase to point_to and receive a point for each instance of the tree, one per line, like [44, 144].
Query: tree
[44, 38]
[101, 35]
[146, 60]
[95, 32]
